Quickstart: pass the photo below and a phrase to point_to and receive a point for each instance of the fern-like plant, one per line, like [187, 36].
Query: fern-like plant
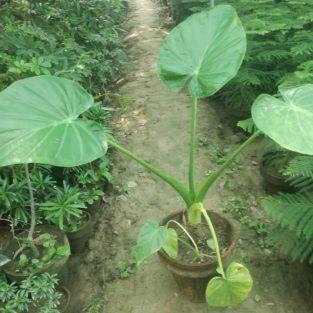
[294, 216]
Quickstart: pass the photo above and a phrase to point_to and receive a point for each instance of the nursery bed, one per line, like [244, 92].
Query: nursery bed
[155, 128]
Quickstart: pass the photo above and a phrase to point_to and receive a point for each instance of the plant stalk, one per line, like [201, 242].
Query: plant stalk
[216, 245]
[192, 149]
[30, 236]
[168, 179]
[213, 177]
[31, 231]
[188, 235]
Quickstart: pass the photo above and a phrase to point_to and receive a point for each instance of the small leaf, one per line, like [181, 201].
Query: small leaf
[23, 260]
[150, 240]
[171, 244]
[4, 259]
[211, 245]
[194, 213]
[219, 270]
[233, 290]
[257, 298]
[63, 251]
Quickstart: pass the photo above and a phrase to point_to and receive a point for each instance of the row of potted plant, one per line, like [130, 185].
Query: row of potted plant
[202, 54]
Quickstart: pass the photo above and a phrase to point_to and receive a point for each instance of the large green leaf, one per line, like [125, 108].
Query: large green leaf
[39, 123]
[288, 121]
[151, 239]
[206, 50]
[233, 290]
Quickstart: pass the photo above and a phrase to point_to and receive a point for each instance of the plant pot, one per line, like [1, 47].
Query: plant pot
[57, 266]
[192, 279]
[65, 300]
[274, 180]
[79, 238]
[5, 237]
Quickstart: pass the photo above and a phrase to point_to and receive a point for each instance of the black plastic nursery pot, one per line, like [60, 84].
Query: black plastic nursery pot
[56, 266]
[79, 238]
[192, 278]
[273, 179]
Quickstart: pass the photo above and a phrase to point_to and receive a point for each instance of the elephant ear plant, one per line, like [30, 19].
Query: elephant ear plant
[39, 124]
[41, 121]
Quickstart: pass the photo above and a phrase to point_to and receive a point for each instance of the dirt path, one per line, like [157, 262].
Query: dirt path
[157, 128]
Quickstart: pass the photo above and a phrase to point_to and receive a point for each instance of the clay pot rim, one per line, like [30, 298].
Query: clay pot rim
[66, 291]
[202, 266]
[46, 267]
[83, 226]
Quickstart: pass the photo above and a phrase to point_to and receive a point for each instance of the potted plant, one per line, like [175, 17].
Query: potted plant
[38, 294]
[204, 52]
[39, 128]
[272, 166]
[67, 210]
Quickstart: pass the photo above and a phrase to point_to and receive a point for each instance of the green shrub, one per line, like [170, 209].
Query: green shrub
[75, 39]
[293, 213]
[35, 294]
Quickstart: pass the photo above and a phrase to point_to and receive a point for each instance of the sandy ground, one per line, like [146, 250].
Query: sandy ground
[156, 127]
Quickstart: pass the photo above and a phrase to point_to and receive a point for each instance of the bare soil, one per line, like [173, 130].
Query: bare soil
[157, 128]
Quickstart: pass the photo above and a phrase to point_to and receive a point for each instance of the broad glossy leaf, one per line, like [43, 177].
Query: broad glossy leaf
[170, 245]
[233, 290]
[288, 121]
[39, 123]
[151, 239]
[205, 52]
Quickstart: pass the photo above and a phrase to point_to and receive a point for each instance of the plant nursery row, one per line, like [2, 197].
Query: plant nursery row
[60, 63]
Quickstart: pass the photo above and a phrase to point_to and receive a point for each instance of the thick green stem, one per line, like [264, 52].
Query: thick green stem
[213, 177]
[192, 149]
[168, 179]
[216, 245]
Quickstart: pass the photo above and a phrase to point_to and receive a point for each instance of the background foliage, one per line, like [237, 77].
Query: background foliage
[76, 39]
[79, 40]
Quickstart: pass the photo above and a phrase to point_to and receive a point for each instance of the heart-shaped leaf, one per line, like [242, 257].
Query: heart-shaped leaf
[205, 51]
[170, 245]
[288, 121]
[151, 239]
[39, 123]
[233, 290]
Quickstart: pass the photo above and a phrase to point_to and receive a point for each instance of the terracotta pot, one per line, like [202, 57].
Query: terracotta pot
[57, 266]
[79, 238]
[192, 279]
